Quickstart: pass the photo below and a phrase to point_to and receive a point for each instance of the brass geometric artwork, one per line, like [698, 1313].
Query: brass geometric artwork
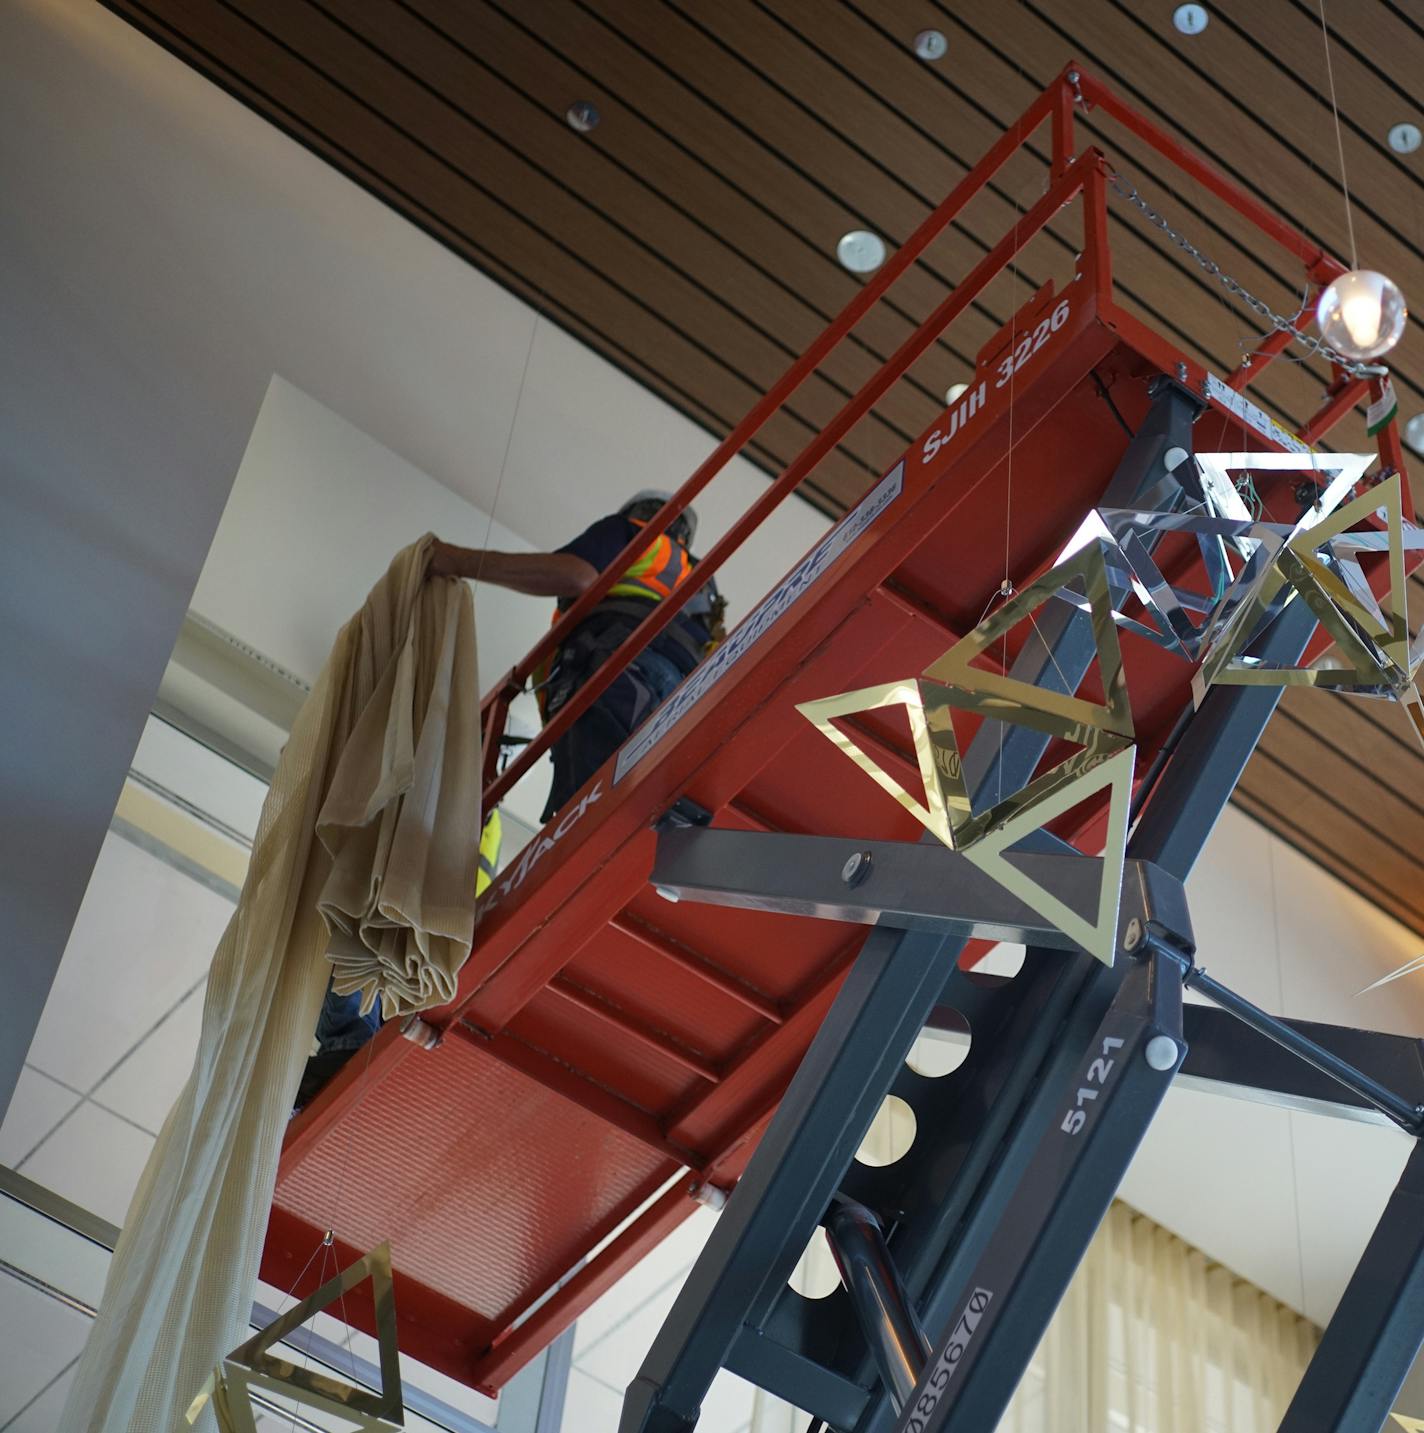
[1254, 568]
[953, 684]
[1321, 565]
[1169, 608]
[1096, 934]
[1222, 526]
[1087, 566]
[251, 1366]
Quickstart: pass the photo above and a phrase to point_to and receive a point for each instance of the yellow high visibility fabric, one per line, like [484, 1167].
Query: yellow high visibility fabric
[662, 568]
[490, 840]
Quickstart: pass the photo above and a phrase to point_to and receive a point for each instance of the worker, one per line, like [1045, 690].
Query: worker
[628, 701]
[341, 1028]
[569, 572]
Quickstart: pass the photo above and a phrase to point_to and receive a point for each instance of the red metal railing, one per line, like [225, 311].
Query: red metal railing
[1069, 174]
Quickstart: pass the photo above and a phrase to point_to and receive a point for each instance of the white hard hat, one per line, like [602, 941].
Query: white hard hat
[661, 496]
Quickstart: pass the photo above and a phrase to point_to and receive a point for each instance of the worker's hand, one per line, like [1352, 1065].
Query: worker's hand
[445, 559]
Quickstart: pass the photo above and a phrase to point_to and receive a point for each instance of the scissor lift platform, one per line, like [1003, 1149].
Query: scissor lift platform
[614, 1056]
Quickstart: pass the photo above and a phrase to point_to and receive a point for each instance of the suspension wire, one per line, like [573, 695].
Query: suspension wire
[1339, 138]
[508, 443]
[1277, 321]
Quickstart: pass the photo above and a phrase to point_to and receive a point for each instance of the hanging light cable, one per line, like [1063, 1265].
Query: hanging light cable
[1363, 313]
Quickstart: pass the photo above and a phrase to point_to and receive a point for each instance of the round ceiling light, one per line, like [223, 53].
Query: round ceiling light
[1190, 19]
[931, 45]
[1362, 314]
[955, 391]
[1404, 138]
[1414, 433]
[860, 251]
[582, 116]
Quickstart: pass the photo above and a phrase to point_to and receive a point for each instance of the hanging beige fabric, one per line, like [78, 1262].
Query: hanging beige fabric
[369, 842]
[1152, 1337]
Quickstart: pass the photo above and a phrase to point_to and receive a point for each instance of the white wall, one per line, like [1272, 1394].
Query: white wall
[164, 253]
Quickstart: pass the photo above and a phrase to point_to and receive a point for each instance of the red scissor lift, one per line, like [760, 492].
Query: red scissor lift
[611, 1056]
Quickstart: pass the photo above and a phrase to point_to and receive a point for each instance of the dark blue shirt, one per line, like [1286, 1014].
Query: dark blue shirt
[600, 544]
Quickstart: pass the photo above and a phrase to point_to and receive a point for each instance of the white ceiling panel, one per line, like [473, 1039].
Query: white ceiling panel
[143, 941]
[39, 1104]
[39, 1338]
[145, 1085]
[93, 1159]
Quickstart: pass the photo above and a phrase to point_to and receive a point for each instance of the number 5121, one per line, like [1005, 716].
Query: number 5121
[1097, 1077]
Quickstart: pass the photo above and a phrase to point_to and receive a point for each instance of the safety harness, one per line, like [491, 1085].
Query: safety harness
[656, 574]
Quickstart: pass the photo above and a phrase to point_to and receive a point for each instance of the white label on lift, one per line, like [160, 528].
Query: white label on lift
[1252, 416]
[753, 627]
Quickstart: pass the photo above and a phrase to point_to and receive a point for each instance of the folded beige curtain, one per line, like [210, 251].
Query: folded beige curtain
[368, 844]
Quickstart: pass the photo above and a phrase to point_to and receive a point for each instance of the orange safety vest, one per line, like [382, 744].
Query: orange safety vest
[657, 573]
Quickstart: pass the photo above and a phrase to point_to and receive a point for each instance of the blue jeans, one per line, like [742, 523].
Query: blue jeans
[630, 700]
[341, 1026]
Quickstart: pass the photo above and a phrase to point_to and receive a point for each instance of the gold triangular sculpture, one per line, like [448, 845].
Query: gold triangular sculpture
[1372, 638]
[1112, 767]
[943, 806]
[1089, 566]
[936, 769]
[251, 1366]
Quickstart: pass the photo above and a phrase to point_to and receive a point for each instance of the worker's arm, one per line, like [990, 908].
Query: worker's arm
[536, 574]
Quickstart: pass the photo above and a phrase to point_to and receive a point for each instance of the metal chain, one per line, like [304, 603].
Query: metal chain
[1259, 306]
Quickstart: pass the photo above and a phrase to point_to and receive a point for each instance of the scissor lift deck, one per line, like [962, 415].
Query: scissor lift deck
[613, 1056]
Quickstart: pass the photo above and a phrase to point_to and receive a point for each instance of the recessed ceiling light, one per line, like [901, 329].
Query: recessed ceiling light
[1404, 138]
[1190, 19]
[860, 251]
[955, 390]
[1414, 433]
[931, 45]
[582, 116]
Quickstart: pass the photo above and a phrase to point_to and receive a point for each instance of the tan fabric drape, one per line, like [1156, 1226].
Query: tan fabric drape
[371, 825]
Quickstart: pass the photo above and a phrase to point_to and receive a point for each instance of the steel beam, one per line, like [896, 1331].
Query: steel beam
[1226, 1058]
[1041, 1233]
[908, 885]
[1403, 1111]
[1375, 1333]
[793, 1175]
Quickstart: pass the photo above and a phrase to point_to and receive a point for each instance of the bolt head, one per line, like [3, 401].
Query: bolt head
[1161, 1052]
[856, 868]
[1132, 936]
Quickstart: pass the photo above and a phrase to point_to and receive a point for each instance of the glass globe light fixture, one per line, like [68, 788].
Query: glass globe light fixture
[1362, 314]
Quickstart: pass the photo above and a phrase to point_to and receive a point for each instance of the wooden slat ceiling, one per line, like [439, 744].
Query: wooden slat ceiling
[690, 237]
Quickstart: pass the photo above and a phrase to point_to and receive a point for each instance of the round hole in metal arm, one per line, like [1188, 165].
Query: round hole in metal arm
[941, 1048]
[890, 1135]
[815, 1275]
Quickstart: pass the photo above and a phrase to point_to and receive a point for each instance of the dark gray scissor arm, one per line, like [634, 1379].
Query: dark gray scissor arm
[904, 885]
